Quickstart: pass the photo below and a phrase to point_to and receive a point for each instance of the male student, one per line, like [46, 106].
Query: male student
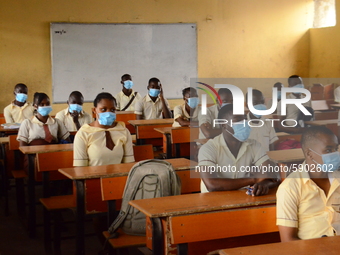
[205, 122]
[278, 86]
[261, 130]
[308, 200]
[292, 111]
[19, 109]
[153, 105]
[73, 116]
[232, 149]
[127, 97]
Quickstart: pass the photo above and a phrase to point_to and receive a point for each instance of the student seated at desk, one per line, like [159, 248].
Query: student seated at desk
[279, 86]
[187, 114]
[42, 128]
[104, 141]
[19, 109]
[127, 97]
[263, 132]
[153, 105]
[205, 122]
[308, 200]
[292, 111]
[73, 116]
[233, 149]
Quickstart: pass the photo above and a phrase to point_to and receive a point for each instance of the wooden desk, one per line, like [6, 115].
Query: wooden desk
[321, 122]
[335, 106]
[145, 128]
[31, 151]
[179, 220]
[325, 245]
[80, 175]
[286, 156]
[8, 131]
[281, 133]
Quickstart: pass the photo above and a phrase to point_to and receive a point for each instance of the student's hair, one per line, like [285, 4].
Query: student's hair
[312, 133]
[188, 90]
[256, 92]
[154, 79]
[39, 97]
[293, 77]
[224, 91]
[76, 94]
[126, 76]
[278, 84]
[103, 95]
[20, 85]
[227, 109]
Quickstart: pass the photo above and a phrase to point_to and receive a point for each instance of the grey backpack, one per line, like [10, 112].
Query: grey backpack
[147, 179]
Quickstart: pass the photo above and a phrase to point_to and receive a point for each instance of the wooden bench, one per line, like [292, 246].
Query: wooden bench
[48, 164]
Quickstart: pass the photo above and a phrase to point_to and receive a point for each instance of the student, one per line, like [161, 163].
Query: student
[263, 132]
[153, 105]
[205, 122]
[278, 86]
[187, 113]
[73, 116]
[233, 149]
[292, 111]
[127, 97]
[42, 128]
[19, 109]
[104, 141]
[308, 199]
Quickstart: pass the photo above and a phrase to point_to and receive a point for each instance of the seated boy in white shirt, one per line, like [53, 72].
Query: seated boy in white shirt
[233, 152]
[153, 105]
[127, 97]
[308, 199]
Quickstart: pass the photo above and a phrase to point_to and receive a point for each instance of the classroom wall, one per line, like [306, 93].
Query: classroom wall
[325, 50]
[236, 38]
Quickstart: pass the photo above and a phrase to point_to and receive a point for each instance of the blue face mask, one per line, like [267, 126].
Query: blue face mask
[193, 102]
[128, 84]
[260, 107]
[279, 95]
[300, 86]
[106, 118]
[75, 107]
[44, 110]
[331, 161]
[241, 130]
[21, 97]
[154, 92]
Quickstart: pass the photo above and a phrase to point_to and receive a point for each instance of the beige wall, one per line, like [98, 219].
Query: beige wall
[325, 50]
[236, 38]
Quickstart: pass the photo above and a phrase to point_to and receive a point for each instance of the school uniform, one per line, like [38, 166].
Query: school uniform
[292, 111]
[302, 204]
[149, 109]
[33, 129]
[90, 146]
[265, 135]
[180, 111]
[17, 114]
[123, 100]
[66, 118]
[212, 113]
[216, 153]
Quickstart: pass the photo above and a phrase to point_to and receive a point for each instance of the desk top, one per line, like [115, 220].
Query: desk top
[167, 130]
[281, 133]
[336, 106]
[325, 245]
[150, 122]
[200, 202]
[9, 130]
[286, 156]
[124, 112]
[117, 170]
[46, 148]
[321, 122]
[4, 139]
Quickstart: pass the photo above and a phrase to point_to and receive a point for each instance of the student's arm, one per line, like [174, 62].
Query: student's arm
[128, 149]
[165, 109]
[8, 116]
[139, 109]
[288, 234]
[80, 156]
[183, 122]
[63, 133]
[23, 133]
[272, 147]
[22, 143]
[209, 131]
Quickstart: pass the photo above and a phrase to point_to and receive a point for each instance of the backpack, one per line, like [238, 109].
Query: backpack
[147, 179]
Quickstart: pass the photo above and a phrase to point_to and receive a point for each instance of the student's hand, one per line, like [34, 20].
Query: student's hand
[207, 125]
[161, 90]
[261, 187]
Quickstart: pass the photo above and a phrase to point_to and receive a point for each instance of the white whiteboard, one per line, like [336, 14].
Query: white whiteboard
[92, 58]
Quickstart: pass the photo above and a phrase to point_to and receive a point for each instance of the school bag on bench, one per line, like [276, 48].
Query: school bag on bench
[147, 179]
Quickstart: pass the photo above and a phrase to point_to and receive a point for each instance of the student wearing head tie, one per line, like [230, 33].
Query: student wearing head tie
[42, 128]
[104, 141]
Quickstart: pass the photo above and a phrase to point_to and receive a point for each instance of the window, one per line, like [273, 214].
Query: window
[324, 13]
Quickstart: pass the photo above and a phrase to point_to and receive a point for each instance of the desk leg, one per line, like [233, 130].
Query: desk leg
[182, 249]
[168, 146]
[80, 216]
[157, 236]
[31, 197]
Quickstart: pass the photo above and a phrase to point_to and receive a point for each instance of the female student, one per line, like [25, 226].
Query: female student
[187, 113]
[104, 141]
[42, 128]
